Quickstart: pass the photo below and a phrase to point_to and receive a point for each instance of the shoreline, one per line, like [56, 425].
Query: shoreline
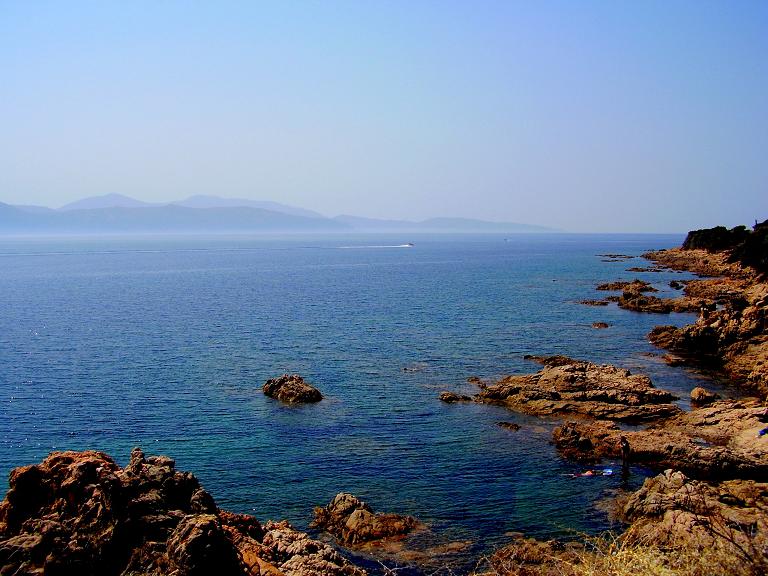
[639, 515]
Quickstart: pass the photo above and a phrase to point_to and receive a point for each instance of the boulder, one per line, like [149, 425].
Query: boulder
[600, 325]
[566, 386]
[672, 510]
[294, 553]
[291, 389]
[702, 397]
[199, 546]
[353, 522]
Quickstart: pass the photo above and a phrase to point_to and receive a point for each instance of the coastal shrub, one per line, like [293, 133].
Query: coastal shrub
[715, 239]
[747, 247]
[753, 251]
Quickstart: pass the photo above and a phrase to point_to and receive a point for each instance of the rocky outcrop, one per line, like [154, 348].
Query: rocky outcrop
[720, 441]
[452, 397]
[635, 285]
[567, 387]
[715, 239]
[671, 509]
[291, 389]
[353, 522]
[296, 554]
[639, 302]
[600, 325]
[733, 337]
[80, 513]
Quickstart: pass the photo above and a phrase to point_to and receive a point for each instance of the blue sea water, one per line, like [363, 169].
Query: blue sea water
[164, 343]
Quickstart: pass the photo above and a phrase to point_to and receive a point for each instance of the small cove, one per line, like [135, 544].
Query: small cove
[164, 342]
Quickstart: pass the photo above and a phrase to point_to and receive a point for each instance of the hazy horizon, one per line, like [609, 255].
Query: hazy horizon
[584, 117]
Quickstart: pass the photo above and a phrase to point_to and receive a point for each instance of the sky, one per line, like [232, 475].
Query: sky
[586, 116]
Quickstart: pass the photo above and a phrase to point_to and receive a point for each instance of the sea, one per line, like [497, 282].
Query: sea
[164, 342]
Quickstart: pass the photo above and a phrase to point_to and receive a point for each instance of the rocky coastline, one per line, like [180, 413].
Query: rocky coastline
[81, 513]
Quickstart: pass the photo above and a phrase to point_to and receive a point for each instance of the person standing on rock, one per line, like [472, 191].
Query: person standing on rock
[626, 451]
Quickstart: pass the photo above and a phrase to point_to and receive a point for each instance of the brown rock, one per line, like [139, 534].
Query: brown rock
[633, 286]
[294, 553]
[719, 441]
[672, 510]
[566, 386]
[199, 546]
[600, 325]
[508, 426]
[80, 513]
[292, 389]
[353, 522]
[702, 397]
[451, 397]
[595, 302]
[530, 557]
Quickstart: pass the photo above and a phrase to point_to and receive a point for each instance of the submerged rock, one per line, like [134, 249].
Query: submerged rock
[566, 386]
[353, 522]
[79, 513]
[292, 389]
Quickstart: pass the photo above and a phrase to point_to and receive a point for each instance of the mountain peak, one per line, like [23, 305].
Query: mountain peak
[106, 201]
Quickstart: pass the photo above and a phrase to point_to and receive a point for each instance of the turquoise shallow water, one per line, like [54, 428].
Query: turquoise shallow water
[164, 342]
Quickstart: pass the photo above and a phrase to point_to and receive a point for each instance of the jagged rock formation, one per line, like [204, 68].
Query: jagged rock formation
[81, 514]
[353, 522]
[720, 441]
[291, 389]
[566, 387]
[733, 336]
[671, 508]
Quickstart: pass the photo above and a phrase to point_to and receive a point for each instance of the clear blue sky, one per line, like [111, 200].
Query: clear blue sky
[588, 116]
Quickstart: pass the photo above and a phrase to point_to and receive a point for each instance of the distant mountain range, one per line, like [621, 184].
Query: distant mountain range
[115, 213]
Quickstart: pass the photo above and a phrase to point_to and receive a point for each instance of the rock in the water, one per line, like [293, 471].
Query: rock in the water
[600, 325]
[566, 386]
[296, 554]
[292, 389]
[353, 522]
[720, 441]
[702, 397]
[451, 397]
[508, 426]
[79, 513]
[634, 285]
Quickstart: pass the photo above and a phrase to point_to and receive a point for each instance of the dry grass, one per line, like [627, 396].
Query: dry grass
[610, 556]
